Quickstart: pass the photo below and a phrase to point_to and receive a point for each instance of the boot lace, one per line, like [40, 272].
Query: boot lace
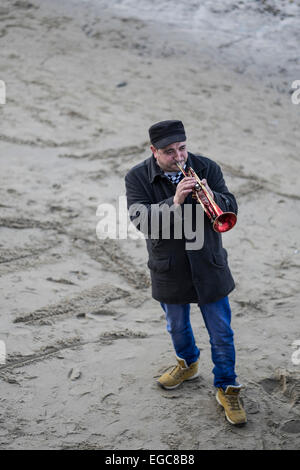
[177, 372]
[233, 402]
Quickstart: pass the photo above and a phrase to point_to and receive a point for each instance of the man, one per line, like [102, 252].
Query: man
[182, 275]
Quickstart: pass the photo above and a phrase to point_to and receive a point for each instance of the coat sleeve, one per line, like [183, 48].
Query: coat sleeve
[144, 212]
[225, 200]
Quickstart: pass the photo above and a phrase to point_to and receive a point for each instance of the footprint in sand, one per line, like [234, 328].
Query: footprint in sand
[292, 426]
[269, 385]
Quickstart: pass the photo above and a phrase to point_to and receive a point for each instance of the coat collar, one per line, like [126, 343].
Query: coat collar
[196, 162]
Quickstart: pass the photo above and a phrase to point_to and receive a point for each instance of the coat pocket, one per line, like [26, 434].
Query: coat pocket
[219, 260]
[159, 265]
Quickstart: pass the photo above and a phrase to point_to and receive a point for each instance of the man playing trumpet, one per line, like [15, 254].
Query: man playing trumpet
[174, 177]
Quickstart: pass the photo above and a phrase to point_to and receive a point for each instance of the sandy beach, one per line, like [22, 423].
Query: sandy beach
[84, 340]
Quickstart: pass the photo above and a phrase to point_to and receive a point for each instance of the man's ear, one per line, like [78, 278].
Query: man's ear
[153, 150]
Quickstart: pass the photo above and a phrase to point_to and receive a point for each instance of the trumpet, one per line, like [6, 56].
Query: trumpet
[222, 221]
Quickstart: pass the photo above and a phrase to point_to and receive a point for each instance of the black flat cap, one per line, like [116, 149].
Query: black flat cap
[166, 132]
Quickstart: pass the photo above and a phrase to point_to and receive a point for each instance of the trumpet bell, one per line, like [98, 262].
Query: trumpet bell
[224, 222]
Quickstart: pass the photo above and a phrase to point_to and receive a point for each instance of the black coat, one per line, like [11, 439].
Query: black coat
[180, 275]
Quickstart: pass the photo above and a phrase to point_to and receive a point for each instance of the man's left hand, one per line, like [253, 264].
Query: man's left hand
[202, 195]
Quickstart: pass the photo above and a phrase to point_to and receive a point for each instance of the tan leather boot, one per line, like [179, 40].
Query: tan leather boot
[231, 403]
[179, 374]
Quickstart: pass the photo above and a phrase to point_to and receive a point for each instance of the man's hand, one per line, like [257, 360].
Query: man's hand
[185, 186]
[202, 195]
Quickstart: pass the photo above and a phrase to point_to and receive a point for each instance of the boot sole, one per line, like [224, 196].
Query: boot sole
[177, 385]
[228, 419]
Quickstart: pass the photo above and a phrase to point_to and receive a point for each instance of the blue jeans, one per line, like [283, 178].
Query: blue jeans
[217, 318]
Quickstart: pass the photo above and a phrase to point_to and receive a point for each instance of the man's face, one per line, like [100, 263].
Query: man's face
[167, 157]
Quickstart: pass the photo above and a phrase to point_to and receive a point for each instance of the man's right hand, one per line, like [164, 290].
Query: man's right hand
[184, 187]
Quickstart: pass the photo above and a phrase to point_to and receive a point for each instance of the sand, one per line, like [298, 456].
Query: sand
[85, 342]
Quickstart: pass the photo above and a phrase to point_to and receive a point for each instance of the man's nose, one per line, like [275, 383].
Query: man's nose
[177, 155]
